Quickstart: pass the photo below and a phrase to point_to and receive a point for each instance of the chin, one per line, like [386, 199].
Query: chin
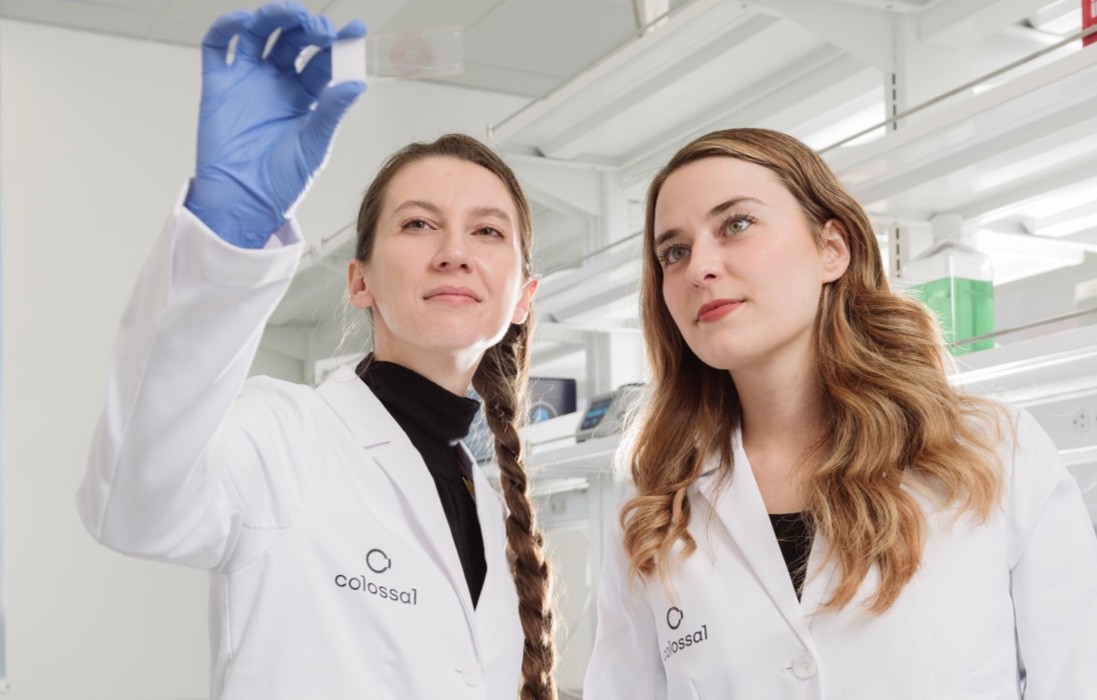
[723, 366]
[458, 338]
[722, 359]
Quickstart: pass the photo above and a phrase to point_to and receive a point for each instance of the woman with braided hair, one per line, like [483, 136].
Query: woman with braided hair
[355, 549]
[818, 513]
[418, 191]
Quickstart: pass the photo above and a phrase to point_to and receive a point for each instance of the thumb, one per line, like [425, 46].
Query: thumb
[331, 107]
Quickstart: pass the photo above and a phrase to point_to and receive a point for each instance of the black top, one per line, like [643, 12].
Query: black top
[435, 421]
[794, 537]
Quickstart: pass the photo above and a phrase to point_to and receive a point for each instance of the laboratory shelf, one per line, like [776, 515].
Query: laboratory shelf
[592, 457]
[1035, 369]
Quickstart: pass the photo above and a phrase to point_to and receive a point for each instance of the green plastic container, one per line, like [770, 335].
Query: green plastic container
[955, 281]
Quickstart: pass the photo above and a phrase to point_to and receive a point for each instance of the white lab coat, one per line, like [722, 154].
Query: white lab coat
[990, 603]
[333, 572]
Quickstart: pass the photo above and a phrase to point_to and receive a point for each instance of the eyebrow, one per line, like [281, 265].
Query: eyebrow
[494, 212]
[712, 214]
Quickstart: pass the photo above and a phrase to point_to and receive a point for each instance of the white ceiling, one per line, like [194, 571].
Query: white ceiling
[523, 47]
[1014, 154]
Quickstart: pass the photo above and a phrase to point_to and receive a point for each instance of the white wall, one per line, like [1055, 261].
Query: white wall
[96, 138]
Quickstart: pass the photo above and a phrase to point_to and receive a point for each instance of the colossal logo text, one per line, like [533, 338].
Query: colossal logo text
[676, 645]
[361, 583]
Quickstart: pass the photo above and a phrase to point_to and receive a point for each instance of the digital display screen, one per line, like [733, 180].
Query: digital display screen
[596, 413]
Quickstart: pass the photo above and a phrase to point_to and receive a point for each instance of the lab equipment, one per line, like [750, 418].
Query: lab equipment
[550, 397]
[418, 54]
[348, 60]
[608, 412]
[956, 282]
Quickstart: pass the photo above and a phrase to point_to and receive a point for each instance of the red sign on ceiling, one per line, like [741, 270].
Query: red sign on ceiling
[1089, 19]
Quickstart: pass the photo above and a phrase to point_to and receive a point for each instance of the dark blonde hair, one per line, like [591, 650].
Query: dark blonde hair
[501, 381]
[892, 419]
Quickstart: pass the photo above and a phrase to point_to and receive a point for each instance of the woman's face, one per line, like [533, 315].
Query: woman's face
[742, 273]
[446, 272]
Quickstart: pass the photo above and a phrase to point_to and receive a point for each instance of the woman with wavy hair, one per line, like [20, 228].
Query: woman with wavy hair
[817, 512]
[354, 547]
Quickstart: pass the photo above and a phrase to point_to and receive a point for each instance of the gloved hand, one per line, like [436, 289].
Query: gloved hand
[265, 129]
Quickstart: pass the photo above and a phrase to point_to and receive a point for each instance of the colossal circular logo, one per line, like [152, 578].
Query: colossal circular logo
[674, 618]
[377, 561]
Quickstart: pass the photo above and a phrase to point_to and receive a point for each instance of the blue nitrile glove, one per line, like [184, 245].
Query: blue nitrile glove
[264, 129]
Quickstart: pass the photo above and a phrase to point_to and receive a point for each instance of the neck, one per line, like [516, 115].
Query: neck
[451, 371]
[781, 404]
[782, 422]
[781, 397]
[784, 412]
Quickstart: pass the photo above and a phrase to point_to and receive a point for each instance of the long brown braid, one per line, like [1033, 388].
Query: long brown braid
[501, 380]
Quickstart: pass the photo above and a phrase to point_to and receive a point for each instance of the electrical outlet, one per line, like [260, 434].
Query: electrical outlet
[1082, 420]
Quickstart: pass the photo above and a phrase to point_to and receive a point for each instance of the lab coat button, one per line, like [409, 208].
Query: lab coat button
[803, 667]
[471, 674]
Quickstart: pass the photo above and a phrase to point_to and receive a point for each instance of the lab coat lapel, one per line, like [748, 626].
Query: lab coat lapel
[819, 582]
[740, 508]
[387, 445]
[490, 514]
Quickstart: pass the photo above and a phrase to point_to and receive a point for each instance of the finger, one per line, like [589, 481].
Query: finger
[352, 30]
[216, 42]
[318, 72]
[330, 109]
[275, 15]
[315, 31]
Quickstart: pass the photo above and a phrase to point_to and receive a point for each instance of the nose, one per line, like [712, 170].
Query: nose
[703, 266]
[452, 253]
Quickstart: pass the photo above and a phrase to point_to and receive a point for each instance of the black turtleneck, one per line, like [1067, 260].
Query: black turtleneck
[794, 536]
[435, 420]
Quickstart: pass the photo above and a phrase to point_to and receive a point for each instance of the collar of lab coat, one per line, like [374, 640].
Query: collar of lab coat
[386, 443]
[738, 506]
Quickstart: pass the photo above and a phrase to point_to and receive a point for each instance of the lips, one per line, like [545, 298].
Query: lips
[716, 309]
[451, 293]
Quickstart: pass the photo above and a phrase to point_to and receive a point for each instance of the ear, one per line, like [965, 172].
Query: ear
[360, 296]
[835, 250]
[525, 301]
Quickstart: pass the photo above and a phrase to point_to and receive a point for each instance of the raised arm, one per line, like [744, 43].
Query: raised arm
[157, 484]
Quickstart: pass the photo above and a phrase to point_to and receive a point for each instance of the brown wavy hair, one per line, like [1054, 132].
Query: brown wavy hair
[893, 424]
[501, 381]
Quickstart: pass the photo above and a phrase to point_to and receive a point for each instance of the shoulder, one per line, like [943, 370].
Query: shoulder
[264, 388]
[274, 406]
[1030, 459]
[1035, 478]
[279, 393]
[1025, 451]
